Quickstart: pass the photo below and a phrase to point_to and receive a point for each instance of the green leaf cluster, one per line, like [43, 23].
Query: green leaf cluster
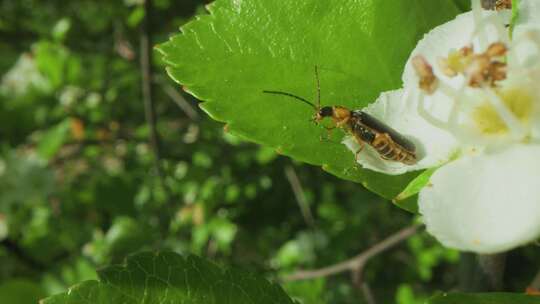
[79, 185]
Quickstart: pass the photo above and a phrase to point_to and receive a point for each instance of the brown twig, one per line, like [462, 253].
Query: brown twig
[368, 294]
[147, 89]
[178, 99]
[298, 191]
[357, 263]
[14, 248]
[492, 267]
[18, 252]
[481, 273]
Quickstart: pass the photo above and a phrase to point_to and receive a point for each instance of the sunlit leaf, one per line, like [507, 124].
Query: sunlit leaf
[415, 185]
[243, 47]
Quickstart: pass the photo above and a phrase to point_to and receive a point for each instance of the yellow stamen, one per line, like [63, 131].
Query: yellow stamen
[518, 101]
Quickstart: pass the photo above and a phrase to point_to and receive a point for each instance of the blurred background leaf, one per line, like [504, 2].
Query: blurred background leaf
[20, 291]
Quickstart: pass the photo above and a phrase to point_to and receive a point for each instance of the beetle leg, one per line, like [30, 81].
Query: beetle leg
[342, 122]
[402, 157]
[328, 133]
[362, 145]
[357, 153]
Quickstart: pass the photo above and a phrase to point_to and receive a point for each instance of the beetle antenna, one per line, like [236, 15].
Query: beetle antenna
[293, 96]
[318, 88]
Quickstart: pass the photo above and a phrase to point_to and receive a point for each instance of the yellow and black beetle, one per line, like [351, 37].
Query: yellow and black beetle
[389, 143]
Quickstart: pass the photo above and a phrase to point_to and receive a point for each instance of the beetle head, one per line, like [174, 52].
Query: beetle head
[322, 113]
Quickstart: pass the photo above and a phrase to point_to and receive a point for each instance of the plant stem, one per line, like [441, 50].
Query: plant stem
[492, 267]
[480, 273]
[147, 88]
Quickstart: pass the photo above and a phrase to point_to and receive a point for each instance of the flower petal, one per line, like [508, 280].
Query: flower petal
[463, 31]
[526, 35]
[529, 15]
[488, 203]
[434, 146]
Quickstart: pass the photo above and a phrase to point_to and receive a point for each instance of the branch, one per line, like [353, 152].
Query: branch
[368, 294]
[356, 263]
[298, 191]
[492, 267]
[17, 251]
[14, 248]
[178, 99]
[147, 90]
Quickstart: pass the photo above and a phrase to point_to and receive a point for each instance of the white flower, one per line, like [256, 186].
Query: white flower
[24, 75]
[471, 104]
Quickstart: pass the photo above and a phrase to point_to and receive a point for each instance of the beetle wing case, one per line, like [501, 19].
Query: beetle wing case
[379, 127]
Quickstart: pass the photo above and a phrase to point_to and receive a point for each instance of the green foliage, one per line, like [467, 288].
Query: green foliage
[56, 63]
[301, 250]
[68, 274]
[428, 254]
[79, 187]
[484, 298]
[463, 5]
[405, 295]
[53, 139]
[170, 278]
[125, 236]
[309, 291]
[23, 181]
[20, 291]
[229, 57]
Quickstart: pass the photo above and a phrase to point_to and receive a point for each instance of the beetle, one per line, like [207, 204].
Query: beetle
[366, 129]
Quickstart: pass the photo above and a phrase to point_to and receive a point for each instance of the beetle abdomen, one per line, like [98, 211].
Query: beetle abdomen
[390, 150]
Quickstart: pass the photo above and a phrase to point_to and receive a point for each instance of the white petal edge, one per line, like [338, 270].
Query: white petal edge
[525, 51]
[526, 35]
[486, 204]
[434, 146]
[529, 16]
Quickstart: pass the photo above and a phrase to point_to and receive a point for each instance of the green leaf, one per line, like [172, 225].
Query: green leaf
[57, 64]
[23, 181]
[410, 204]
[167, 277]
[20, 291]
[415, 185]
[243, 47]
[515, 15]
[124, 236]
[484, 298]
[61, 28]
[53, 139]
[463, 5]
